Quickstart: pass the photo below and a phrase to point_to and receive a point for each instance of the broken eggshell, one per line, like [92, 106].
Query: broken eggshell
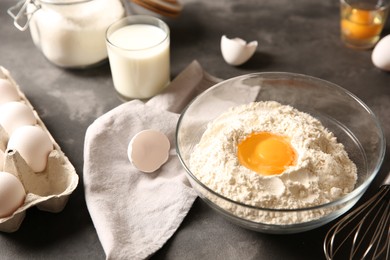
[148, 150]
[236, 51]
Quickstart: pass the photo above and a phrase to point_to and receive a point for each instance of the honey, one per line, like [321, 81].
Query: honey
[361, 25]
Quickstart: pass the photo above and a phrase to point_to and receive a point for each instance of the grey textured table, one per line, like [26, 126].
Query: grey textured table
[294, 36]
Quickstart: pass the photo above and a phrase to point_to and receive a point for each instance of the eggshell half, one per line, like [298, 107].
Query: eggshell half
[381, 54]
[15, 114]
[12, 194]
[148, 150]
[236, 51]
[33, 144]
[8, 92]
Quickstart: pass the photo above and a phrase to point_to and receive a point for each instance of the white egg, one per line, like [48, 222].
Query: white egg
[2, 159]
[12, 194]
[33, 144]
[148, 150]
[15, 114]
[237, 51]
[381, 54]
[8, 92]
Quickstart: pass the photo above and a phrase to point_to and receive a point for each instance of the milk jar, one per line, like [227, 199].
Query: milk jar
[69, 33]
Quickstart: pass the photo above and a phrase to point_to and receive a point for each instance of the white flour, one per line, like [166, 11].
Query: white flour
[323, 171]
[73, 35]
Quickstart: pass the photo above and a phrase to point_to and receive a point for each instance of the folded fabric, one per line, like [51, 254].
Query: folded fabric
[135, 213]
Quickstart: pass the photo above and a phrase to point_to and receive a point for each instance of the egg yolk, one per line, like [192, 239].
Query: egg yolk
[266, 153]
[360, 25]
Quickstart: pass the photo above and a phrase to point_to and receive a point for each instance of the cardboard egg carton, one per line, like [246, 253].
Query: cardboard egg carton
[48, 190]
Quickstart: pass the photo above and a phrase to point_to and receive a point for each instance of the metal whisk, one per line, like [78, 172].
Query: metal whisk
[364, 232]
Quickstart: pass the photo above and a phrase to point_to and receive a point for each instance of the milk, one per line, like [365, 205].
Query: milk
[139, 60]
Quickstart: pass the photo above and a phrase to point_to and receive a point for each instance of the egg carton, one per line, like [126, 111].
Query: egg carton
[48, 190]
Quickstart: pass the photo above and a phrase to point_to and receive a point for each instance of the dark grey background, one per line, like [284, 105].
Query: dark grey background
[299, 36]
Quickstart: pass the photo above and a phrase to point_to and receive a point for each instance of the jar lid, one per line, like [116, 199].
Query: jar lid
[171, 8]
[22, 17]
[62, 2]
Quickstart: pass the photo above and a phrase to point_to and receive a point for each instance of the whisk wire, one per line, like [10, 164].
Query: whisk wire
[388, 244]
[347, 219]
[334, 230]
[377, 235]
[370, 236]
[380, 236]
[355, 242]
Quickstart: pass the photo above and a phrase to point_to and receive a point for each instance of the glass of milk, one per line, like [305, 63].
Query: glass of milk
[138, 52]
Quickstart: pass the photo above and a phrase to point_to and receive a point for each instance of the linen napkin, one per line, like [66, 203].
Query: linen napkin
[135, 213]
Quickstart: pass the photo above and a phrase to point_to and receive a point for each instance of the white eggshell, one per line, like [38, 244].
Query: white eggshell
[236, 51]
[15, 114]
[381, 54]
[33, 144]
[12, 194]
[7, 92]
[148, 150]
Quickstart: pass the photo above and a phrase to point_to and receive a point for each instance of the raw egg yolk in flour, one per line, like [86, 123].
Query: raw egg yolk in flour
[266, 153]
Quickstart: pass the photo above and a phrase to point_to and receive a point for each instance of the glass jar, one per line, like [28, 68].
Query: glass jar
[70, 33]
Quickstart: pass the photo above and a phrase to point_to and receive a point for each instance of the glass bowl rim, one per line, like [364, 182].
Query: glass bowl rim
[356, 192]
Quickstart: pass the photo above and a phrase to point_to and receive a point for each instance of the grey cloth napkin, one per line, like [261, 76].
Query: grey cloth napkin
[135, 213]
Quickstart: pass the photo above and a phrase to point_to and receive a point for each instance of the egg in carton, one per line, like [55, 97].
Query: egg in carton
[49, 189]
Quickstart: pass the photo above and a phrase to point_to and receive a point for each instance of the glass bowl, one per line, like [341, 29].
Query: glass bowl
[351, 121]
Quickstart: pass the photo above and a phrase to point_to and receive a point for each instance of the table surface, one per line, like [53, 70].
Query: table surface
[299, 36]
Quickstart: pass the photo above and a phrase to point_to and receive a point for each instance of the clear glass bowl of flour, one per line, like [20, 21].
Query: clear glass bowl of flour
[341, 112]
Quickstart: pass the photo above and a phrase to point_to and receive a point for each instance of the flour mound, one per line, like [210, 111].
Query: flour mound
[323, 171]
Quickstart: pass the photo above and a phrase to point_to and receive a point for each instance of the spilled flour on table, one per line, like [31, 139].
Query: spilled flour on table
[322, 173]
